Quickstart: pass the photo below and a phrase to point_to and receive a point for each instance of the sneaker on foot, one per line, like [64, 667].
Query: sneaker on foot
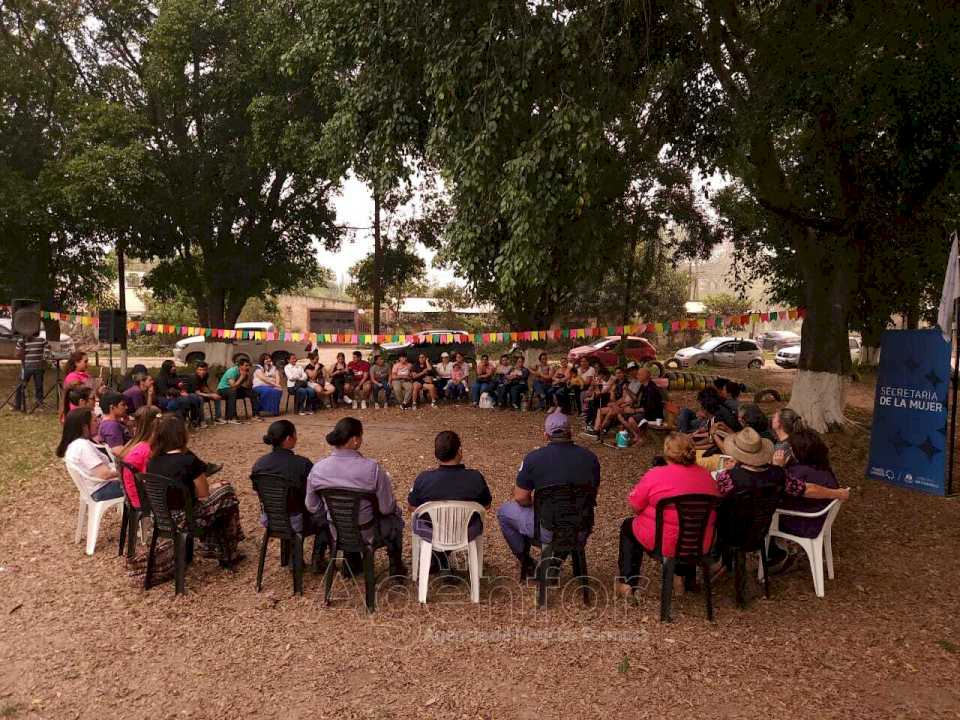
[231, 421]
[363, 404]
[220, 421]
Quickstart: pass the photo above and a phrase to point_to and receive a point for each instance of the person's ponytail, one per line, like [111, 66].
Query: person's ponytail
[346, 428]
[278, 432]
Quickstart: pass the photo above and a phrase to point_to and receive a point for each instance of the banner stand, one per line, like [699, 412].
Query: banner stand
[955, 378]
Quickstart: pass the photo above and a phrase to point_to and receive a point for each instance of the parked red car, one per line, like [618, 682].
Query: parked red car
[605, 351]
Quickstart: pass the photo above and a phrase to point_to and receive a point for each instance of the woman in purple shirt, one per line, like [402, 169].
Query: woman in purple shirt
[346, 469]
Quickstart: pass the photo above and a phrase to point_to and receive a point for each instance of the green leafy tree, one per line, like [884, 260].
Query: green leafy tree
[402, 274]
[379, 124]
[726, 304]
[838, 120]
[231, 195]
[49, 251]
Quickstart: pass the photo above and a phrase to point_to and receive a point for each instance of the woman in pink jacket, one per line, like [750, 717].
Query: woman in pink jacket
[680, 476]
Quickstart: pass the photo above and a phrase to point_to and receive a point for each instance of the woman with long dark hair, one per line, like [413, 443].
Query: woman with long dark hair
[94, 461]
[216, 507]
[346, 469]
[136, 453]
[173, 396]
[77, 377]
[267, 386]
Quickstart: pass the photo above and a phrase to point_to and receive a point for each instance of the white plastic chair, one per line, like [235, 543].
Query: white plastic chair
[93, 509]
[450, 520]
[816, 548]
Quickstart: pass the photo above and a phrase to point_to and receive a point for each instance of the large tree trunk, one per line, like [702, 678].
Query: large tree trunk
[819, 390]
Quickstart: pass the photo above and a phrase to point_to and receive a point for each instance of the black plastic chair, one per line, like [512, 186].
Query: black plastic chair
[743, 521]
[343, 509]
[181, 530]
[132, 516]
[693, 517]
[276, 494]
[567, 511]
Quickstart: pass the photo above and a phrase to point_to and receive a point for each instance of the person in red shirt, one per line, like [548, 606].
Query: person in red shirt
[680, 476]
[358, 384]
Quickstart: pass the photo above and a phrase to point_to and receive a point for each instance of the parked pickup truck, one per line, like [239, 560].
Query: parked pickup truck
[216, 351]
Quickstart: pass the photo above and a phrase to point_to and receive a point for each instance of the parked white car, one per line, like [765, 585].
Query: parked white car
[789, 357]
[216, 351]
[8, 342]
[723, 351]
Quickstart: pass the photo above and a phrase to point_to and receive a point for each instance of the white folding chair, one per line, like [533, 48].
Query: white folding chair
[450, 520]
[816, 548]
[93, 509]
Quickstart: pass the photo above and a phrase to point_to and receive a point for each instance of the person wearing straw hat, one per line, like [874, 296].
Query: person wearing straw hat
[753, 469]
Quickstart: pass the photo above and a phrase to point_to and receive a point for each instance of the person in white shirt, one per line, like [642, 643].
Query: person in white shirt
[93, 461]
[444, 370]
[298, 385]
[267, 386]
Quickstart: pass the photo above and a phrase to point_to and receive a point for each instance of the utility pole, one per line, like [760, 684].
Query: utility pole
[122, 292]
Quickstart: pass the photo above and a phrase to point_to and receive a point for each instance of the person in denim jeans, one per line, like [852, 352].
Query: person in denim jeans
[32, 352]
[515, 386]
[485, 379]
[542, 381]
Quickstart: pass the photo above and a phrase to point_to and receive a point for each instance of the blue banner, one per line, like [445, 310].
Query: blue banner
[909, 439]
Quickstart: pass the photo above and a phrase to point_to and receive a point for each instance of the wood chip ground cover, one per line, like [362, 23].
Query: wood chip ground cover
[79, 640]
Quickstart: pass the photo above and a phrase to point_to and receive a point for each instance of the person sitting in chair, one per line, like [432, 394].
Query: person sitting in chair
[451, 480]
[754, 468]
[235, 385]
[484, 380]
[113, 427]
[646, 404]
[517, 385]
[201, 386]
[283, 461]
[140, 392]
[560, 462]
[346, 469]
[216, 508]
[78, 449]
[172, 395]
[679, 476]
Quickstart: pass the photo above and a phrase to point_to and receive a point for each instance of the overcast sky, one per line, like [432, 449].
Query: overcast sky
[355, 209]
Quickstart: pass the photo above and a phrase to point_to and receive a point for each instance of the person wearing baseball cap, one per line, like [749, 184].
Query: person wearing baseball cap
[559, 462]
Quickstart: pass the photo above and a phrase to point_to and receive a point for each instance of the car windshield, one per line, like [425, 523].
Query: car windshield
[709, 343]
[601, 344]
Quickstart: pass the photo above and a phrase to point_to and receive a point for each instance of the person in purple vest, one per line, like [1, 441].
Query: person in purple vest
[346, 469]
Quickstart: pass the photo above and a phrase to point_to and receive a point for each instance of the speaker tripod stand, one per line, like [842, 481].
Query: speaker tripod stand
[39, 401]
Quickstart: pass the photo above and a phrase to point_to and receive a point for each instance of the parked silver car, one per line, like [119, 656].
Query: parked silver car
[723, 351]
[789, 357]
[776, 339]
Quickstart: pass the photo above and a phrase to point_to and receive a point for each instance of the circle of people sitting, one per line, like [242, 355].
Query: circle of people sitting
[716, 450]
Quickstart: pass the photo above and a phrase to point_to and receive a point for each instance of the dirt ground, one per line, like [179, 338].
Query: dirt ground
[78, 639]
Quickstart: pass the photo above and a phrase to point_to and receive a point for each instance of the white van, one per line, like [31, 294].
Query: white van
[217, 351]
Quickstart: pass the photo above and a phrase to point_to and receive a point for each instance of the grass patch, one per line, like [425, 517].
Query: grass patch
[9, 711]
[948, 646]
[27, 442]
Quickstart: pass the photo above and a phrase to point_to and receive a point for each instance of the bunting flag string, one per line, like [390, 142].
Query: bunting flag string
[480, 338]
